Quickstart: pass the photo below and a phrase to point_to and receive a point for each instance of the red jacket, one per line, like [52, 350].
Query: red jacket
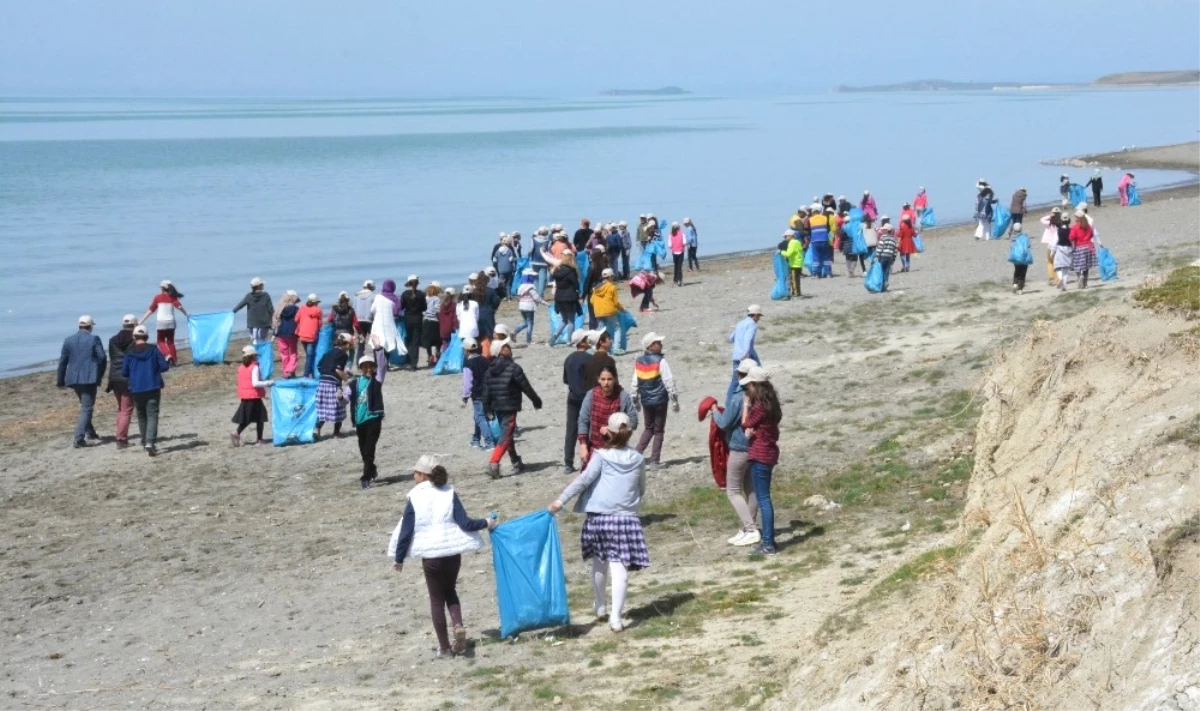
[308, 323]
[718, 450]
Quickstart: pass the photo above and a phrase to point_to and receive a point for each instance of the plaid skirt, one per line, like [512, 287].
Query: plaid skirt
[1082, 259]
[613, 538]
[328, 407]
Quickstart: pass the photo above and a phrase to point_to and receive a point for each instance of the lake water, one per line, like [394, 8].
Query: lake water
[101, 199]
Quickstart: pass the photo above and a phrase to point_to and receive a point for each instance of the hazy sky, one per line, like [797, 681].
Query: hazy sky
[444, 47]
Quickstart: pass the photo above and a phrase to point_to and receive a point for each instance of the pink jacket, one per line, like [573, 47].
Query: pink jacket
[1125, 181]
[921, 201]
[677, 242]
[868, 207]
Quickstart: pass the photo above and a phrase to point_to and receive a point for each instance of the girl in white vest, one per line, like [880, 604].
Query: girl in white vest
[610, 491]
[436, 528]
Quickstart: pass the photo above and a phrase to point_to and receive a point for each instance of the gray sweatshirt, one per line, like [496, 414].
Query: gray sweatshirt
[613, 483]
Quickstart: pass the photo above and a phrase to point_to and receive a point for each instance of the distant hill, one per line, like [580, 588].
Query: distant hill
[931, 85]
[1151, 78]
[662, 91]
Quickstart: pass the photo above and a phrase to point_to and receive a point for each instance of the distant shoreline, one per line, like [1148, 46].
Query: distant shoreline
[1178, 156]
[1109, 81]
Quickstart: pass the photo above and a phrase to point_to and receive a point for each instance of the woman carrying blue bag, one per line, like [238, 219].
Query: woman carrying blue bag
[1021, 257]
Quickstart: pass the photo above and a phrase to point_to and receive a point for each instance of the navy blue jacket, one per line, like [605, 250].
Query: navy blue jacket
[143, 366]
[82, 361]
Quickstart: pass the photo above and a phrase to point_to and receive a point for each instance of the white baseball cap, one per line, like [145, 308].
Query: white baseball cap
[490, 271]
[623, 223]
[368, 284]
[617, 420]
[449, 291]
[607, 273]
[427, 463]
[579, 335]
[594, 336]
[366, 359]
[651, 338]
[256, 281]
[129, 320]
[312, 298]
[140, 331]
[86, 320]
[164, 283]
[499, 345]
[754, 310]
[501, 328]
[472, 276]
[437, 284]
[249, 350]
[470, 344]
[411, 278]
[745, 366]
[757, 374]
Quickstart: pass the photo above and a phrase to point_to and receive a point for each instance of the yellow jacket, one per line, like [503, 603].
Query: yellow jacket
[604, 300]
[794, 254]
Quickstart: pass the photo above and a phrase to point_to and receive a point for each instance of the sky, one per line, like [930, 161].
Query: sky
[397, 48]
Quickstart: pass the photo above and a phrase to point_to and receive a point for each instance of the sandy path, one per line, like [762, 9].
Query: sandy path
[257, 577]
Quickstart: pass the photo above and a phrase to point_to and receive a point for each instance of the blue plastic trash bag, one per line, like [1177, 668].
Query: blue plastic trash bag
[324, 342]
[266, 359]
[1001, 220]
[531, 587]
[928, 219]
[1076, 194]
[874, 279]
[208, 336]
[858, 241]
[781, 291]
[918, 244]
[556, 322]
[583, 261]
[1019, 252]
[653, 248]
[293, 411]
[1131, 193]
[810, 258]
[494, 426]
[856, 214]
[397, 358]
[628, 323]
[522, 265]
[1108, 264]
[451, 360]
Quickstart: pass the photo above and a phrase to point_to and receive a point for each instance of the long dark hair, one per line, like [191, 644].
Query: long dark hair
[172, 292]
[763, 393]
[439, 476]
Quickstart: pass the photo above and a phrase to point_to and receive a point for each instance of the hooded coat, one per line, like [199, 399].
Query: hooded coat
[259, 308]
[143, 367]
[503, 385]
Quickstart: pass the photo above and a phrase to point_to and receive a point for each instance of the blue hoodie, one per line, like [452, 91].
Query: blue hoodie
[144, 365]
[730, 422]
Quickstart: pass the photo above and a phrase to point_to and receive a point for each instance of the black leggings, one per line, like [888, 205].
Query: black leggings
[647, 298]
[368, 437]
[692, 261]
[258, 427]
[1019, 271]
[441, 577]
[678, 268]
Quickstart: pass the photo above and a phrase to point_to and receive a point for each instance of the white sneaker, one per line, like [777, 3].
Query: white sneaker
[618, 626]
[601, 612]
[735, 539]
[749, 538]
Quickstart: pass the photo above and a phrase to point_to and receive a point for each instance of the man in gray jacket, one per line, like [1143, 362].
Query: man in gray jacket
[259, 311]
[81, 368]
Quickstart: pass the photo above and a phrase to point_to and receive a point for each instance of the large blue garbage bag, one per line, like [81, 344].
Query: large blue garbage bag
[208, 336]
[781, 291]
[522, 265]
[1108, 264]
[810, 258]
[655, 248]
[874, 279]
[918, 243]
[854, 230]
[293, 411]
[1132, 194]
[584, 262]
[1019, 252]
[1077, 194]
[396, 358]
[266, 359]
[531, 587]
[928, 219]
[556, 322]
[451, 360]
[1001, 220]
[856, 214]
[628, 323]
[324, 342]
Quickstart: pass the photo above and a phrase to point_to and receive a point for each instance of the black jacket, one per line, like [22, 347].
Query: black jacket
[414, 305]
[117, 345]
[374, 398]
[503, 385]
[566, 283]
[573, 375]
[487, 313]
[582, 235]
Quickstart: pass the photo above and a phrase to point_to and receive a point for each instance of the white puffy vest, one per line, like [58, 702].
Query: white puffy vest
[435, 534]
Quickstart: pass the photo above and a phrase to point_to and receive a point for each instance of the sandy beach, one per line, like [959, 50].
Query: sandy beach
[257, 577]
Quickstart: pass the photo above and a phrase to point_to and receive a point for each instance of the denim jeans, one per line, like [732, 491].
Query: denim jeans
[887, 270]
[612, 324]
[526, 326]
[543, 275]
[87, 404]
[761, 474]
[483, 431]
[572, 431]
[310, 358]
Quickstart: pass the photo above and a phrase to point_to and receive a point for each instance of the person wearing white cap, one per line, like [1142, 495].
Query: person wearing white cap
[435, 527]
[920, 204]
[333, 370]
[259, 310]
[528, 299]
[818, 238]
[474, 371]
[761, 426]
[642, 235]
[164, 305]
[678, 244]
[738, 485]
[742, 339]
[610, 491]
[366, 414]
[81, 365]
[363, 301]
[985, 199]
[504, 260]
[652, 387]
[1084, 240]
[626, 248]
[541, 243]
[251, 389]
[413, 304]
[565, 273]
[867, 204]
[308, 330]
[143, 367]
[574, 377]
[431, 331]
[285, 332]
[606, 305]
[118, 384]
[693, 243]
[503, 386]
[466, 313]
[342, 316]
[1096, 183]
[500, 337]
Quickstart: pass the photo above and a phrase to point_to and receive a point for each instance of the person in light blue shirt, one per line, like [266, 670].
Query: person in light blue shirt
[690, 236]
[742, 339]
